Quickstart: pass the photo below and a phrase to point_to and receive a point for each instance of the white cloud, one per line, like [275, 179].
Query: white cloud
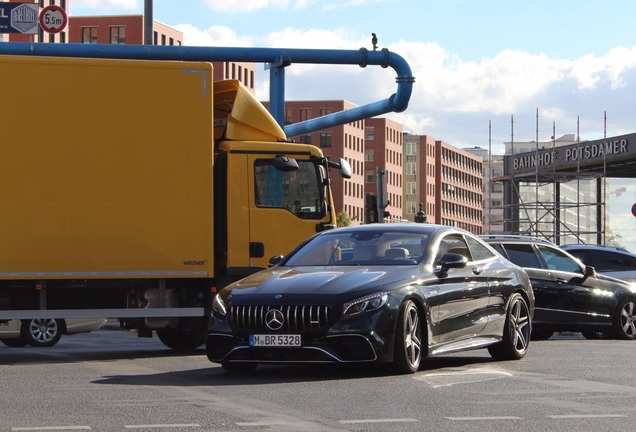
[245, 5]
[590, 71]
[217, 36]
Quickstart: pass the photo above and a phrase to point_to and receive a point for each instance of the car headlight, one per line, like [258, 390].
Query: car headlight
[218, 306]
[365, 304]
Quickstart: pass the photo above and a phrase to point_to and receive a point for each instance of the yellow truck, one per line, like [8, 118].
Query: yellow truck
[135, 189]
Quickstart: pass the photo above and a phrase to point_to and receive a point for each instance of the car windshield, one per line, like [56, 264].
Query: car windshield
[362, 248]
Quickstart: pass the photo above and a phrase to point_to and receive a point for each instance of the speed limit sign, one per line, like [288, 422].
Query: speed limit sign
[53, 19]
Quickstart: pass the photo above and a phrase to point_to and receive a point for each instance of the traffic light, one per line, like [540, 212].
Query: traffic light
[371, 208]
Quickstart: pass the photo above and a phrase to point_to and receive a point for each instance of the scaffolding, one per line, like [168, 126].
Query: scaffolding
[560, 193]
[564, 207]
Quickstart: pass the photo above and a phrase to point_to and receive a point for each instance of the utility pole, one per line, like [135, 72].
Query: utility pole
[148, 19]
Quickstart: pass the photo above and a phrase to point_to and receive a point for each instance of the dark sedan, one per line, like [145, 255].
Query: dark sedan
[570, 296]
[381, 293]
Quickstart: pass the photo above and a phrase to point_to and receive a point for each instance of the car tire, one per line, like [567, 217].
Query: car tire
[238, 367]
[408, 340]
[516, 332]
[625, 320]
[41, 332]
[14, 343]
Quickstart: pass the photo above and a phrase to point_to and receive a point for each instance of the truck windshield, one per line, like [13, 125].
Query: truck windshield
[297, 191]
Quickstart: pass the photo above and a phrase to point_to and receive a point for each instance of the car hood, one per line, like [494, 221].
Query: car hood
[322, 281]
[613, 283]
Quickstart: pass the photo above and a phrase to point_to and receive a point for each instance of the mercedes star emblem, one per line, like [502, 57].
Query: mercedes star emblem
[274, 319]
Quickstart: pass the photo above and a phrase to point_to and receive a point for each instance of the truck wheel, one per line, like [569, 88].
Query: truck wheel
[13, 343]
[181, 340]
[41, 332]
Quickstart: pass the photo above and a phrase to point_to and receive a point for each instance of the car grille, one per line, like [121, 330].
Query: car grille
[297, 318]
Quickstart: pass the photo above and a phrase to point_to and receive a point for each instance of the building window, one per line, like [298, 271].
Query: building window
[155, 38]
[369, 132]
[410, 188]
[305, 114]
[411, 149]
[325, 111]
[163, 39]
[288, 116]
[369, 176]
[325, 139]
[411, 168]
[410, 207]
[118, 35]
[369, 155]
[305, 139]
[89, 35]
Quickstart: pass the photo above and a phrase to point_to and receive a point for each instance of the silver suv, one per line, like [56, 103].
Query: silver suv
[611, 261]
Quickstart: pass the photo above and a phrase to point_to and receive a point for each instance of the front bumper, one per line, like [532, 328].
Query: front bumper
[344, 348]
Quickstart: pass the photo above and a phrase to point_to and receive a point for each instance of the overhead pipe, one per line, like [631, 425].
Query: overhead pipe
[276, 58]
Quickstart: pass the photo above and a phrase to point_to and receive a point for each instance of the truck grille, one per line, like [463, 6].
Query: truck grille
[297, 319]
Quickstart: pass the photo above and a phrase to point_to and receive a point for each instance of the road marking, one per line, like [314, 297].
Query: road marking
[482, 418]
[586, 416]
[50, 428]
[398, 420]
[462, 376]
[159, 426]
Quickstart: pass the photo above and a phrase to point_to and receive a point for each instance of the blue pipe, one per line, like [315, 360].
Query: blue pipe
[279, 57]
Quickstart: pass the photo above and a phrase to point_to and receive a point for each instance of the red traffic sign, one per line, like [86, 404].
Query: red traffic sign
[53, 19]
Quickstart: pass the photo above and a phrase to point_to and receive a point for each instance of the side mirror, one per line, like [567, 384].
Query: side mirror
[343, 167]
[275, 260]
[589, 271]
[449, 261]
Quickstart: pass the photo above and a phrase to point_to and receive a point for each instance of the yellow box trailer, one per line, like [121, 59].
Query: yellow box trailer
[134, 189]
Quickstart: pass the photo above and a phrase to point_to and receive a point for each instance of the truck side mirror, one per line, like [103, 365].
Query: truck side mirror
[342, 166]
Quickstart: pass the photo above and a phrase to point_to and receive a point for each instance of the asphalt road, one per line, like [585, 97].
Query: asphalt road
[113, 381]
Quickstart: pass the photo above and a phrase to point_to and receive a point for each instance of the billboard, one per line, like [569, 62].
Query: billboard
[19, 18]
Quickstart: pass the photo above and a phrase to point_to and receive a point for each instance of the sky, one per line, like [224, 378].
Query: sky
[486, 72]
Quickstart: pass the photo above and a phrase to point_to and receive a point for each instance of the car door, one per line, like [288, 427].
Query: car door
[575, 298]
[502, 281]
[462, 307]
[543, 284]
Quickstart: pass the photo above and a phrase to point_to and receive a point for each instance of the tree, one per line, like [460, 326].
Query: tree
[343, 219]
[612, 239]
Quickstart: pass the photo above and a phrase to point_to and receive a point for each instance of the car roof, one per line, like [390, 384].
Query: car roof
[596, 247]
[511, 238]
[403, 227]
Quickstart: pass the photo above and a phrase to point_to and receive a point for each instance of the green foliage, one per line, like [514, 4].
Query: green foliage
[343, 219]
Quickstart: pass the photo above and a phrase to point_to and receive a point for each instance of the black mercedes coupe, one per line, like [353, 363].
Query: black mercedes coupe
[380, 293]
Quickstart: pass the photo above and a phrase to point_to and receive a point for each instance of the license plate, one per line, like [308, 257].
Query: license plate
[282, 340]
